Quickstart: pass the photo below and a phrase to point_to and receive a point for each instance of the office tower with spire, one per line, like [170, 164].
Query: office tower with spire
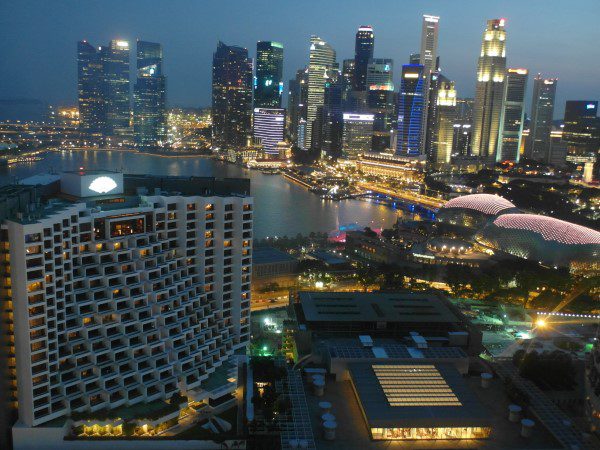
[445, 117]
[268, 84]
[115, 67]
[489, 92]
[231, 96]
[428, 59]
[513, 116]
[410, 110]
[363, 53]
[149, 96]
[91, 99]
[321, 62]
[542, 113]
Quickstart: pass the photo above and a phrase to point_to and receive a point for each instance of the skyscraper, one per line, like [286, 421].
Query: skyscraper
[331, 136]
[410, 110]
[347, 84]
[581, 131]
[297, 96]
[268, 128]
[513, 116]
[321, 61]
[428, 59]
[542, 113]
[363, 52]
[149, 96]
[414, 58]
[445, 113]
[269, 75]
[380, 74]
[489, 93]
[357, 135]
[115, 66]
[231, 96]
[92, 112]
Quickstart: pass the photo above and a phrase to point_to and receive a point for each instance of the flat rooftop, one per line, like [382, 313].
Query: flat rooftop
[269, 255]
[388, 349]
[375, 307]
[413, 395]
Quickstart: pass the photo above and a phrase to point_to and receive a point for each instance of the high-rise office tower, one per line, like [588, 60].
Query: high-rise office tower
[92, 107]
[463, 126]
[331, 137]
[414, 58]
[297, 96]
[410, 110]
[124, 290]
[445, 114]
[436, 80]
[115, 66]
[581, 131]
[149, 96]
[348, 84]
[321, 61]
[363, 52]
[269, 75]
[231, 96]
[357, 134]
[513, 116]
[380, 73]
[268, 128]
[428, 59]
[489, 93]
[542, 113]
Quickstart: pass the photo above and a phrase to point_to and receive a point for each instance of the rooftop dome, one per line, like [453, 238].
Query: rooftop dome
[484, 203]
[549, 228]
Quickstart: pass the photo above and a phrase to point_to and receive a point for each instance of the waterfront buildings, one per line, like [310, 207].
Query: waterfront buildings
[269, 127]
[129, 295]
[513, 116]
[363, 53]
[428, 59]
[489, 93]
[92, 103]
[542, 112]
[115, 67]
[410, 110]
[268, 84]
[231, 96]
[388, 165]
[358, 133]
[321, 62]
[149, 98]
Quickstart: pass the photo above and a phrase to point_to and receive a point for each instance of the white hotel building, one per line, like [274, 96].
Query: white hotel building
[122, 290]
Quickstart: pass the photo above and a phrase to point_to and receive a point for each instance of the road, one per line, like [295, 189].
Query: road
[430, 202]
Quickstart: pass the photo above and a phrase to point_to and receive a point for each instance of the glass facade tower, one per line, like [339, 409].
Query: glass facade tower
[513, 116]
[268, 83]
[92, 112]
[115, 65]
[363, 52]
[410, 110]
[542, 112]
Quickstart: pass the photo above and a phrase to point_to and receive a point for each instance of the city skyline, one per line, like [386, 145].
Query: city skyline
[187, 50]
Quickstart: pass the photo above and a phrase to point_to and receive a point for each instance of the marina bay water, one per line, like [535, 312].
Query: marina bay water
[281, 207]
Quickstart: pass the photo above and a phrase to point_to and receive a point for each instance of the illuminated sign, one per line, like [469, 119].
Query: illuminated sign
[123, 44]
[590, 106]
[411, 75]
[102, 185]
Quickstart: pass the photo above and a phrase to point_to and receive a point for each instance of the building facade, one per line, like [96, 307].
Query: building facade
[411, 103]
[445, 115]
[268, 83]
[149, 96]
[269, 127]
[428, 59]
[542, 113]
[91, 99]
[581, 132]
[363, 52]
[358, 133]
[125, 290]
[231, 96]
[115, 66]
[321, 61]
[380, 73]
[513, 116]
[489, 92]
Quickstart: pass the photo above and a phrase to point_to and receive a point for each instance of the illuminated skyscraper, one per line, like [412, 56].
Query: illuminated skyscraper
[445, 114]
[269, 75]
[269, 125]
[380, 74]
[149, 96]
[115, 66]
[489, 93]
[231, 96]
[410, 110]
[581, 131]
[321, 61]
[513, 116]
[363, 52]
[428, 59]
[542, 112]
[347, 84]
[92, 112]
[358, 134]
